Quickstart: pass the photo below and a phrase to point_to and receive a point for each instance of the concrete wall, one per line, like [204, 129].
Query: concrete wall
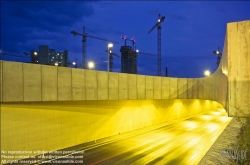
[237, 67]
[31, 82]
[52, 125]
[229, 85]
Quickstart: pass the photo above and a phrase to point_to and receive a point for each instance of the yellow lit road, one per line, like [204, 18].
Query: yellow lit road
[185, 142]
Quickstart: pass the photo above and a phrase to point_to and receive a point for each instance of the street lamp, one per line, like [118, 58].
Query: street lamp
[91, 65]
[219, 54]
[110, 45]
[75, 63]
[207, 73]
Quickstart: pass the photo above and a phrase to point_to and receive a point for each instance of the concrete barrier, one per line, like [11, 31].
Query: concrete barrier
[52, 125]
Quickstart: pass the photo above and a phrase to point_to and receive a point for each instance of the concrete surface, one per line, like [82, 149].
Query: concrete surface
[78, 84]
[55, 125]
[238, 67]
[123, 86]
[49, 83]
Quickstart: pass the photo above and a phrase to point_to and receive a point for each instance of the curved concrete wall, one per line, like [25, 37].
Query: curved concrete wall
[51, 126]
[31, 82]
[229, 85]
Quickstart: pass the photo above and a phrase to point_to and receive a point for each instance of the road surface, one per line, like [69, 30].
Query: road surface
[182, 143]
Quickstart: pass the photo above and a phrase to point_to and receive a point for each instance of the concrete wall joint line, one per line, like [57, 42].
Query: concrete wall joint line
[23, 80]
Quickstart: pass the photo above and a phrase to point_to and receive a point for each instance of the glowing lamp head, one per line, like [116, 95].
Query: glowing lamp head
[207, 73]
[110, 45]
[91, 64]
[35, 53]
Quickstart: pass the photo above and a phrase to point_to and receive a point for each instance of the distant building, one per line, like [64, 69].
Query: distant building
[49, 56]
[128, 60]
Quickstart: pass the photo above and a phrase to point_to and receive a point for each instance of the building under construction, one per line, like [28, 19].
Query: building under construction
[128, 60]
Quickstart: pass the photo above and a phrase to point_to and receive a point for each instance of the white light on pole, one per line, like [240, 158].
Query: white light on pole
[110, 45]
[35, 53]
[207, 73]
[91, 65]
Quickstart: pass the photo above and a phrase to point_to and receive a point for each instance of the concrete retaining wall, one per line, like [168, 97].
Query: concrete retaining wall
[31, 82]
[229, 85]
[51, 125]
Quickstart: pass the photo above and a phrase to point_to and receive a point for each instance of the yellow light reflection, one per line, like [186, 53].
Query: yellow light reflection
[216, 113]
[211, 127]
[190, 125]
[224, 119]
[193, 142]
[206, 117]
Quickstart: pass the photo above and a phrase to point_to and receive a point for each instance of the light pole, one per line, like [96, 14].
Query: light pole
[219, 54]
[110, 45]
[75, 63]
[34, 56]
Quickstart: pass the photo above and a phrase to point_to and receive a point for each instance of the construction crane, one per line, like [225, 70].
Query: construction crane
[158, 25]
[110, 62]
[148, 54]
[132, 40]
[125, 40]
[134, 47]
[13, 54]
[84, 40]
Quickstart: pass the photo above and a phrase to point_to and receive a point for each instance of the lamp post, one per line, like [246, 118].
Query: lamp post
[110, 45]
[75, 63]
[219, 54]
[33, 55]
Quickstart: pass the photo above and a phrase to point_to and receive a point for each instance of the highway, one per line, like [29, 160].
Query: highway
[182, 143]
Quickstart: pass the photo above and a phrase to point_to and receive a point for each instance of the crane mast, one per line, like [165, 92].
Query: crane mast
[111, 60]
[158, 25]
[84, 40]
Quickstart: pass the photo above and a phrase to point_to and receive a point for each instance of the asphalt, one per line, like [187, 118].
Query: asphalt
[185, 142]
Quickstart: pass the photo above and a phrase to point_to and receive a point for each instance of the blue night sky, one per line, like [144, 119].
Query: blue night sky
[190, 32]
